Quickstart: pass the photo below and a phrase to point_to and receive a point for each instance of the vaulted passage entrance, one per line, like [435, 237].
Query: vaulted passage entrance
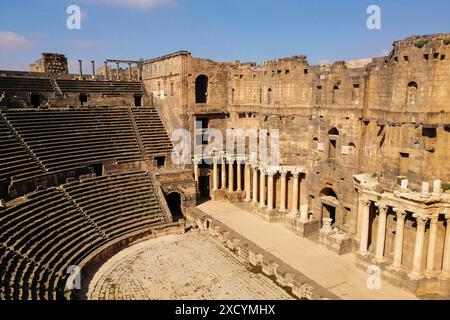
[329, 203]
[201, 89]
[174, 202]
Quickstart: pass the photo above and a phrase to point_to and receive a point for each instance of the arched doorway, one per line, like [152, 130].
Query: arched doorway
[201, 89]
[174, 202]
[330, 203]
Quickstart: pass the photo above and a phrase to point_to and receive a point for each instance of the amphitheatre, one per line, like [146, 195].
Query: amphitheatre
[92, 205]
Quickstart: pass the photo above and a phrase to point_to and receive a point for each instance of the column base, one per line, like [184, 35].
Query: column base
[430, 274]
[379, 260]
[444, 276]
[415, 276]
[394, 268]
[364, 253]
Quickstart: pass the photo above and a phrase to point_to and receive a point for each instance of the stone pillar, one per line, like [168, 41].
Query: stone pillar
[437, 187]
[445, 274]
[364, 241]
[93, 69]
[255, 185]
[106, 71]
[302, 199]
[80, 68]
[270, 194]
[239, 175]
[381, 232]
[230, 175]
[304, 213]
[215, 175]
[224, 174]
[295, 193]
[248, 182]
[262, 191]
[129, 72]
[118, 71]
[283, 192]
[398, 244]
[196, 174]
[418, 248]
[431, 245]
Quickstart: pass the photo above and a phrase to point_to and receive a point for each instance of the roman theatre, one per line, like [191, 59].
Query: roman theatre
[92, 205]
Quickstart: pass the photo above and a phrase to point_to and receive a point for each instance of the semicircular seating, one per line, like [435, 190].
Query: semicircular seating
[46, 232]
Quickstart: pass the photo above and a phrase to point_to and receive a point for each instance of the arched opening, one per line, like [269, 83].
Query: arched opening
[352, 147]
[333, 134]
[412, 94]
[174, 202]
[334, 94]
[138, 101]
[330, 204]
[35, 99]
[201, 89]
[83, 98]
[269, 96]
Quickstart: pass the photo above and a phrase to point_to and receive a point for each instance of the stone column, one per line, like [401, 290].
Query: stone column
[247, 183]
[129, 72]
[224, 174]
[270, 194]
[239, 175]
[230, 175]
[445, 274]
[118, 71]
[398, 244]
[255, 185]
[283, 191]
[216, 175]
[431, 245]
[381, 232]
[106, 70]
[418, 248]
[196, 174]
[364, 242]
[93, 69]
[295, 193]
[80, 68]
[302, 199]
[262, 191]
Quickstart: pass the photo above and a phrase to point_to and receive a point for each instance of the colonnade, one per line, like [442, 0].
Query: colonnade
[422, 218]
[257, 182]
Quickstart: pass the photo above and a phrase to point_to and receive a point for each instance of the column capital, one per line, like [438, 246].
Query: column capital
[400, 212]
[271, 172]
[434, 219]
[365, 202]
[230, 160]
[421, 218]
[283, 173]
[382, 207]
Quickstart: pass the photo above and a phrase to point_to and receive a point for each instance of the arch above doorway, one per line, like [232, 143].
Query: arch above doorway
[174, 202]
[201, 89]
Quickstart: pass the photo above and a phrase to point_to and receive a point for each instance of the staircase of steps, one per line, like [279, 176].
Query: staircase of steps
[137, 134]
[85, 215]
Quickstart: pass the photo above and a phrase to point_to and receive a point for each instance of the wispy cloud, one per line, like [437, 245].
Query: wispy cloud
[10, 41]
[137, 3]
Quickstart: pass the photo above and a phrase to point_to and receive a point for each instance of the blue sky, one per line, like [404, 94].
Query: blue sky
[222, 30]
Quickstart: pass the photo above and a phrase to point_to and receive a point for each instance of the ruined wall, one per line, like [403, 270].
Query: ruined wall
[388, 117]
[165, 81]
[52, 63]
